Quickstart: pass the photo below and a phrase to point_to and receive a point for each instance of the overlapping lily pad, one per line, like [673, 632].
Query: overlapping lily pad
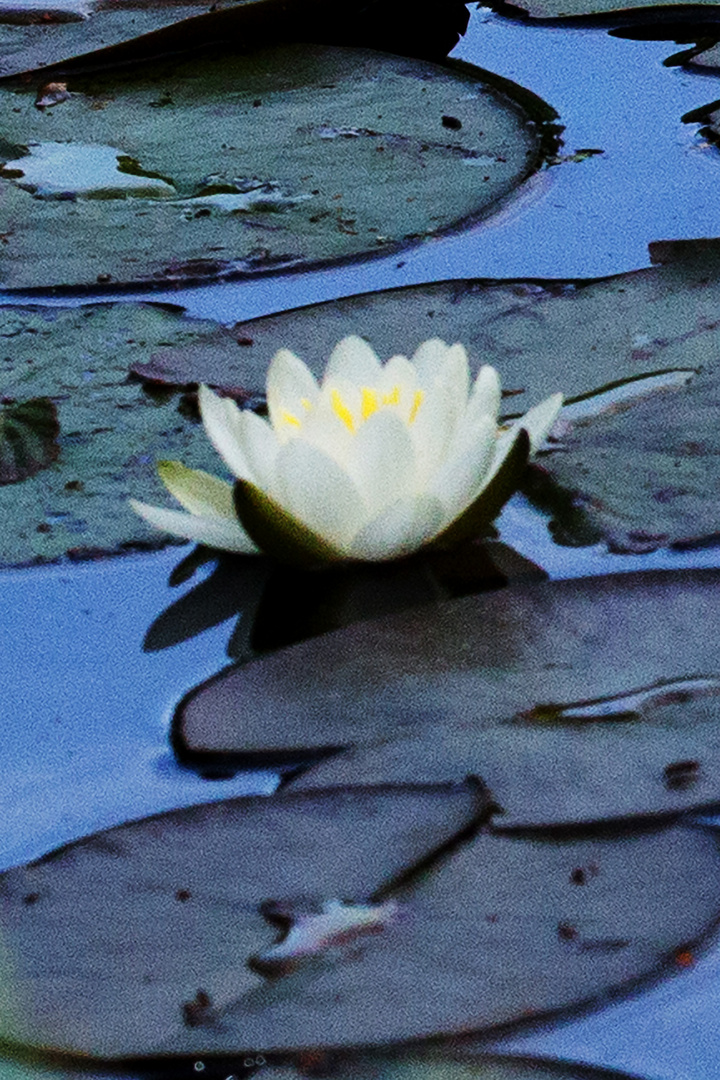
[574, 9]
[641, 476]
[107, 943]
[76, 34]
[195, 169]
[152, 938]
[456, 1063]
[571, 701]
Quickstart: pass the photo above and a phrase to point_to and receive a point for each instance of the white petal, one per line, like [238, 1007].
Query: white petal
[289, 383]
[427, 360]
[484, 403]
[485, 396]
[198, 491]
[259, 445]
[312, 487]
[398, 372]
[224, 533]
[463, 476]
[381, 460]
[354, 361]
[433, 432]
[325, 430]
[538, 420]
[399, 530]
[220, 419]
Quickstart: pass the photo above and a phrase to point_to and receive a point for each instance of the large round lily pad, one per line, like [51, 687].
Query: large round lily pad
[286, 156]
[572, 701]
[107, 943]
[162, 936]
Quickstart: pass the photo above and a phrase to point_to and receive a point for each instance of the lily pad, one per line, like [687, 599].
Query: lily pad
[639, 479]
[494, 933]
[76, 34]
[299, 155]
[574, 9]
[151, 938]
[456, 1063]
[571, 701]
[112, 945]
[111, 429]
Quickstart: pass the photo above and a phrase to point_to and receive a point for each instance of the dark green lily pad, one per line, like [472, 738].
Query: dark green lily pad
[703, 58]
[573, 9]
[496, 932]
[156, 937]
[456, 1063]
[572, 701]
[111, 430]
[71, 35]
[289, 156]
[109, 944]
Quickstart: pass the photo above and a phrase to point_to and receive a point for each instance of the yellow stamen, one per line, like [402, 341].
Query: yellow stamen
[369, 403]
[342, 410]
[306, 404]
[393, 398]
[417, 402]
[289, 418]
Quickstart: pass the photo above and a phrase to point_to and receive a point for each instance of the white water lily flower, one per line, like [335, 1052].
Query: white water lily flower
[372, 464]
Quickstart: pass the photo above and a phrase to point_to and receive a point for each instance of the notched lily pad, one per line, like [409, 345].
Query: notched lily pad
[496, 932]
[299, 155]
[139, 936]
[153, 938]
[572, 701]
[28, 438]
[458, 1062]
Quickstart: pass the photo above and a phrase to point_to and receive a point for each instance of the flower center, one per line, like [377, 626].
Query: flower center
[370, 401]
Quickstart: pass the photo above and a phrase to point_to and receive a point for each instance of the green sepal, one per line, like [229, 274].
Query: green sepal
[480, 514]
[277, 533]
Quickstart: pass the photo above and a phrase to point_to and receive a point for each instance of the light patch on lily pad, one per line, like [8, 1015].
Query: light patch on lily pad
[56, 169]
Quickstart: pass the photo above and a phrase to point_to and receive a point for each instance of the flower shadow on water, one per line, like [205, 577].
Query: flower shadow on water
[276, 606]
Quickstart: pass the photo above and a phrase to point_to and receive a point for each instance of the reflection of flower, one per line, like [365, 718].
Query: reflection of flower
[373, 464]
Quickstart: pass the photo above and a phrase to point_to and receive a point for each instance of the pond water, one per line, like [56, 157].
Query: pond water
[87, 710]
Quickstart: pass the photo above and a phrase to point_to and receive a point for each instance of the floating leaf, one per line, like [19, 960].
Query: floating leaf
[138, 936]
[78, 34]
[111, 430]
[495, 932]
[299, 155]
[458, 1062]
[572, 9]
[572, 701]
[28, 439]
